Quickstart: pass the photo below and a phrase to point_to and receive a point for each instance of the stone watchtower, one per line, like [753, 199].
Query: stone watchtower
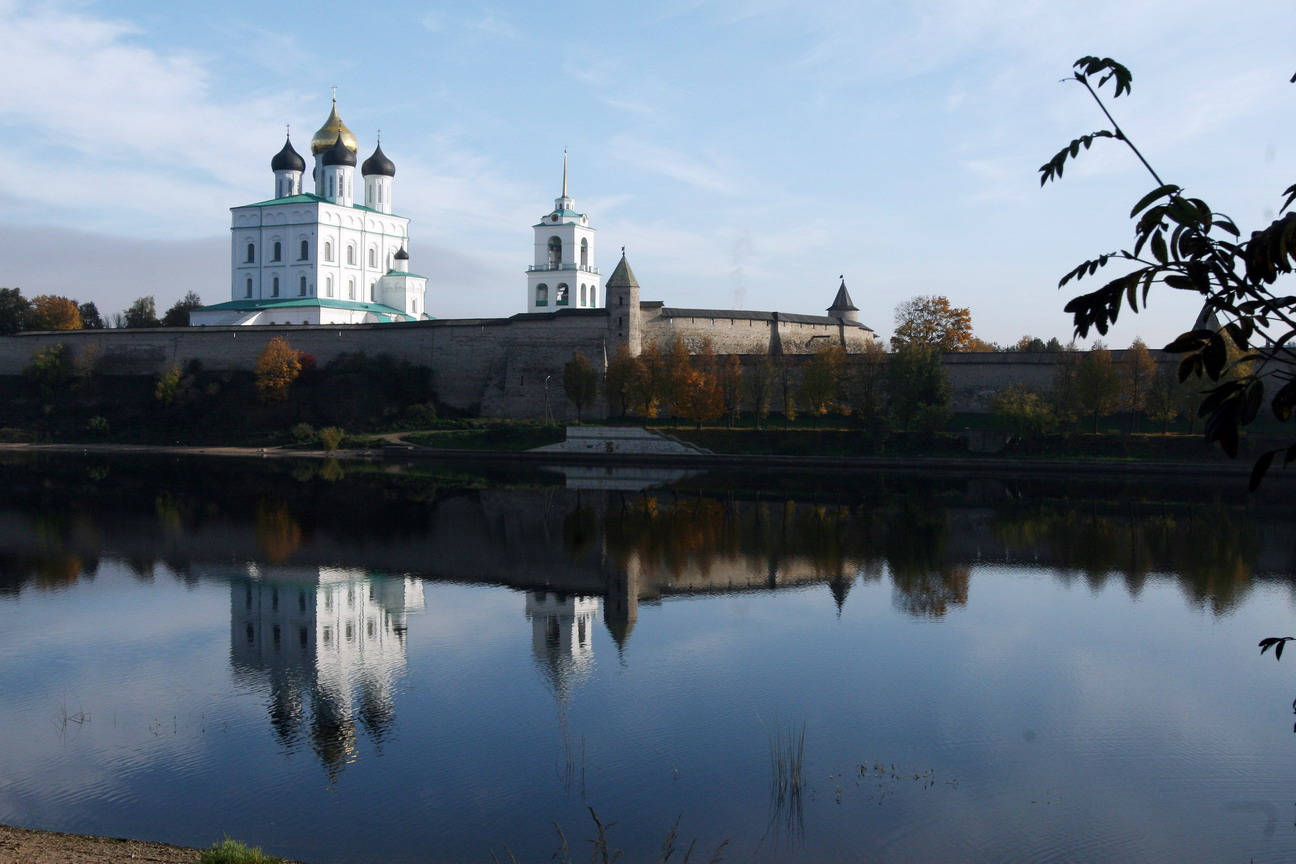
[625, 321]
[842, 307]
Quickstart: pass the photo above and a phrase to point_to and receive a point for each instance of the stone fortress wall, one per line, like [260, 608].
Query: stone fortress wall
[509, 367]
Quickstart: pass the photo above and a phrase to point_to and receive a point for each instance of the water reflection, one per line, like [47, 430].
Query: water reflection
[329, 644]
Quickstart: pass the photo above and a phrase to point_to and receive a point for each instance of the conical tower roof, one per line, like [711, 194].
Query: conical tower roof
[842, 302]
[622, 276]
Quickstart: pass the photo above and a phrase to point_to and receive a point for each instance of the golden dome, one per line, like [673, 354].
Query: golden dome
[327, 135]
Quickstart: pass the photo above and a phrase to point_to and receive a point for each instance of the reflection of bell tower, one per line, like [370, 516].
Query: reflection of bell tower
[329, 642]
[622, 610]
[562, 637]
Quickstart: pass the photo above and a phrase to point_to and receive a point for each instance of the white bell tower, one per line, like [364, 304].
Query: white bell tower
[563, 275]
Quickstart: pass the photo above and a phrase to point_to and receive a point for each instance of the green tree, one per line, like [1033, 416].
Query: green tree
[760, 388]
[142, 313]
[822, 381]
[1140, 371]
[1164, 399]
[13, 310]
[1097, 384]
[618, 381]
[168, 384]
[90, 317]
[277, 367]
[178, 315]
[917, 383]
[50, 369]
[580, 382]
[934, 322]
[730, 377]
[1183, 244]
[1025, 412]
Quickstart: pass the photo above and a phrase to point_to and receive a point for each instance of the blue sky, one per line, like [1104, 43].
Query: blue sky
[745, 153]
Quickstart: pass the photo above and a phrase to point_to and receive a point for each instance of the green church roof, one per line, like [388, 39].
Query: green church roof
[385, 312]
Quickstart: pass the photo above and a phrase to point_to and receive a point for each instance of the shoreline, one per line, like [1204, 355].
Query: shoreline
[1240, 467]
[34, 846]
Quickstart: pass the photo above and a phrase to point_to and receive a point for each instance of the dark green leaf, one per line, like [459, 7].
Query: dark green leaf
[1257, 474]
[1159, 192]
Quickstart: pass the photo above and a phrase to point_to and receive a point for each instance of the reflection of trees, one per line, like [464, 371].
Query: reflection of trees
[1211, 551]
[278, 533]
[917, 539]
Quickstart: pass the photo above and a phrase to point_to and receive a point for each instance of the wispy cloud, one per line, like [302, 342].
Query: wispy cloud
[678, 165]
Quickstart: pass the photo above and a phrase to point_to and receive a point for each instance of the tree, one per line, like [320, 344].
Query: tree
[867, 386]
[168, 384]
[580, 382]
[648, 386]
[48, 312]
[699, 398]
[142, 313]
[730, 377]
[933, 322]
[1139, 372]
[90, 317]
[1164, 398]
[1182, 244]
[277, 367]
[1097, 384]
[178, 315]
[13, 310]
[1024, 411]
[822, 381]
[678, 370]
[917, 383]
[760, 388]
[50, 369]
[618, 381]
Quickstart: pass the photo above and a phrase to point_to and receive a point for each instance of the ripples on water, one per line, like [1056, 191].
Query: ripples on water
[402, 665]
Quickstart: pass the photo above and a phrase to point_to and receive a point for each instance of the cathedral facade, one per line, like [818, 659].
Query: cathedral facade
[323, 257]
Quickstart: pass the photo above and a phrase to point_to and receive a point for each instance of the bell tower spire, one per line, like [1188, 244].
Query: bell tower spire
[564, 274]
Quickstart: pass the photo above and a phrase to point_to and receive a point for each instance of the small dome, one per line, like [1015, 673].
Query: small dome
[288, 159]
[339, 154]
[378, 163]
[329, 132]
[402, 255]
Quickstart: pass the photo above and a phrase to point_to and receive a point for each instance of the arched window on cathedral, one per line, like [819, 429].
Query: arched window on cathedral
[328, 250]
[584, 252]
[555, 251]
[305, 250]
[593, 295]
[350, 289]
[373, 257]
[560, 295]
[542, 295]
[328, 286]
[371, 292]
[301, 287]
[251, 256]
[249, 287]
[278, 251]
[350, 253]
[274, 287]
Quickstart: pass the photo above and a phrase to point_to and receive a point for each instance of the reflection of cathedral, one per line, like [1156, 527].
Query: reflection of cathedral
[562, 637]
[330, 643]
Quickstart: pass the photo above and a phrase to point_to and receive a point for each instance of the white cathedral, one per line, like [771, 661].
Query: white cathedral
[321, 258]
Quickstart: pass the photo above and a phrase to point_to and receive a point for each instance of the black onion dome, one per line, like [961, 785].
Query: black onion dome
[288, 159]
[339, 154]
[402, 255]
[378, 163]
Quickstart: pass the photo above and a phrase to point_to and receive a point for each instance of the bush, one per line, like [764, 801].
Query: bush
[168, 384]
[1023, 411]
[302, 433]
[331, 437]
[50, 369]
[98, 426]
[234, 852]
